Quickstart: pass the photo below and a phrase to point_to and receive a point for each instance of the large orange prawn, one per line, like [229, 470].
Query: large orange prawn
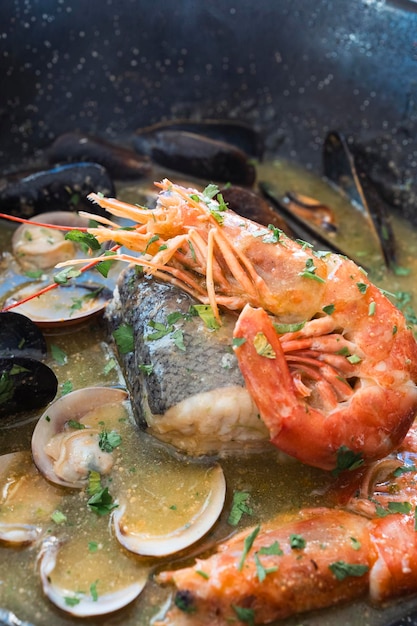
[327, 358]
[319, 558]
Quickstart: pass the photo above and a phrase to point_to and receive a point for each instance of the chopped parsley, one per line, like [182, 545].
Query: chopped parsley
[65, 275]
[404, 469]
[297, 542]
[240, 507]
[85, 239]
[262, 571]
[75, 425]
[93, 591]
[329, 309]
[356, 544]
[108, 441]
[184, 601]
[104, 267]
[247, 545]
[342, 570]
[238, 341]
[362, 287]
[6, 388]
[346, 459]
[67, 387]
[274, 548]
[247, 616]
[263, 347]
[205, 312]
[123, 336]
[310, 271]
[281, 329]
[58, 517]
[100, 501]
[72, 600]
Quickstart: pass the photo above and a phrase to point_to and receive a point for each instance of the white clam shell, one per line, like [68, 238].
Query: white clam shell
[72, 406]
[149, 543]
[25, 502]
[86, 605]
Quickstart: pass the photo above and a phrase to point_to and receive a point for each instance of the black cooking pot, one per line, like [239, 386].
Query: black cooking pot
[292, 69]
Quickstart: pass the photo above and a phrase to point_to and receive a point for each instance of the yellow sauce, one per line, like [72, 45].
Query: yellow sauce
[163, 488]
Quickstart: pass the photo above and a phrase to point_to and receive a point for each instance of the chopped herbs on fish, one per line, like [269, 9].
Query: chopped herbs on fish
[343, 570]
[123, 336]
[247, 545]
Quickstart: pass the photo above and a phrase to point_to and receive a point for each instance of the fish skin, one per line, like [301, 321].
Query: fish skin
[207, 363]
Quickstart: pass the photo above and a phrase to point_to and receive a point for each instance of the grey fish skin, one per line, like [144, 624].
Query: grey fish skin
[206, 363]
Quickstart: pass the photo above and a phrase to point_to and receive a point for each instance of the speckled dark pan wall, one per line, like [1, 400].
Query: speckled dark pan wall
[291, 67]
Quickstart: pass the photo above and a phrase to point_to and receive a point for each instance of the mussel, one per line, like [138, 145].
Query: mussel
[235, 132]
[251, 204]
[121, 162]
[64, 187]
[25, 381]
[19, 336]
[347, 170]
[196, 155]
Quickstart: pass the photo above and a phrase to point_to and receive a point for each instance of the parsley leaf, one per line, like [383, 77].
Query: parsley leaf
[85, 239]
[247, 545]
[263, 347]
[347, 460]
[123, 336]
[343, 570]
[247, 616]
[205, 312]
[239, 507]
[297, 542]
[108, 441]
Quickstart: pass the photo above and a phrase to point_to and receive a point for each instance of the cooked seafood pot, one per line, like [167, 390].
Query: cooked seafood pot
[291, 69]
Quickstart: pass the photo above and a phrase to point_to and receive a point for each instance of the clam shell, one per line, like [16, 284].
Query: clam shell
[147, 542]
[22, 492]
[85, 605]
[72, 406]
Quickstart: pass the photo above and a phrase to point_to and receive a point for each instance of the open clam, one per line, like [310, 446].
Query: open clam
[66, 439]
[83, 591]
[26, 500]
[38, 246]
[164, 528]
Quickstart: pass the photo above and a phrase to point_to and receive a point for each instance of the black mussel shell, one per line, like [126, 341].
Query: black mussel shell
[19, 336]
[198, 156]
[61, 188]
[234, 132]
[253, 206]
[348, 171]
[122, 163]
[25, 384]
